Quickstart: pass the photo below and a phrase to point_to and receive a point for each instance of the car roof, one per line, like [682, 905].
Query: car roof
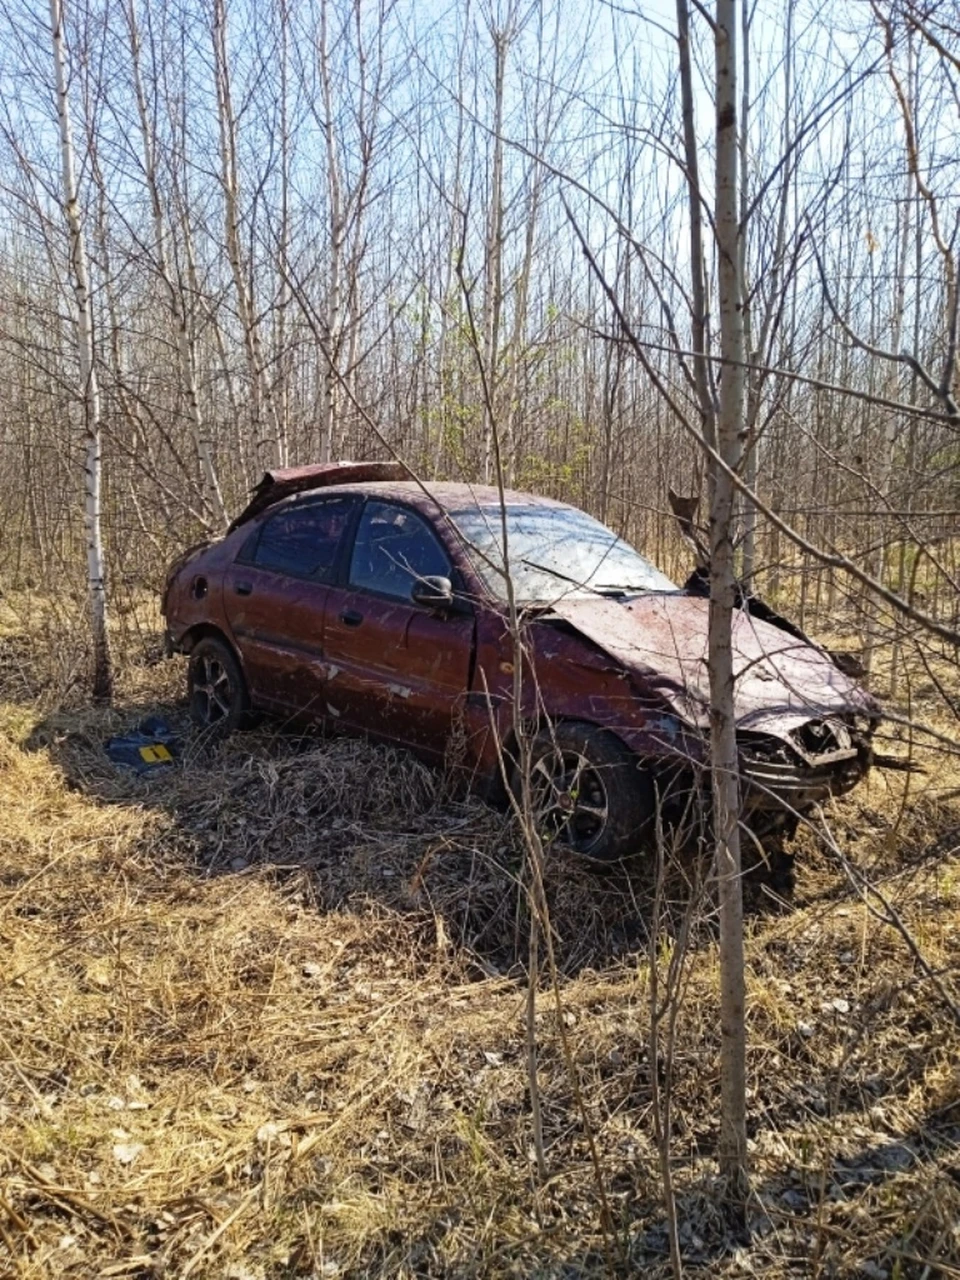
[447, 495]
[387, 478]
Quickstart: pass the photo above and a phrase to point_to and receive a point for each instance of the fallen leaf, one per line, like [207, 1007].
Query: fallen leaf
[127, 1152]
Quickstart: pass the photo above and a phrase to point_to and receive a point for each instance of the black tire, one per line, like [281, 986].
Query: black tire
[217, 691]
[589, 792]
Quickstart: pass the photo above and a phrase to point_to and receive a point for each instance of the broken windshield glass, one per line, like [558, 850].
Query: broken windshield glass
[551, 546]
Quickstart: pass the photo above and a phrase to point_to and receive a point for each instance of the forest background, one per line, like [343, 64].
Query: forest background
[332, 229]
[305, 219]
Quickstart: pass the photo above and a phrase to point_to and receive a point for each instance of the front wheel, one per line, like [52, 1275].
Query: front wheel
[588, 791]
[216, 688]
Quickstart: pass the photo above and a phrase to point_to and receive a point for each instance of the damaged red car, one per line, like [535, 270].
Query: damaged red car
[353, 595]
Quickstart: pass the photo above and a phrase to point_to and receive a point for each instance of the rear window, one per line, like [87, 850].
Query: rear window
[303, 540]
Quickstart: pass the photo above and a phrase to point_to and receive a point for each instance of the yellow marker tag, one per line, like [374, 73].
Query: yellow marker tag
[157, 754]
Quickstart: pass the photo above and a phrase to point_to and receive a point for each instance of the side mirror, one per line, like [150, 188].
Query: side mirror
[432, 592]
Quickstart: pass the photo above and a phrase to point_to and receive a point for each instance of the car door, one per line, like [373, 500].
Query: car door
[275, 595]
[396, 669]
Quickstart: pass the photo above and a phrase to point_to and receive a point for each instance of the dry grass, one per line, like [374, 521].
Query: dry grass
[262, 1016]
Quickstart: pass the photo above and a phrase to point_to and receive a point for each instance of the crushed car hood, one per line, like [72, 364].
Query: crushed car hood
[663, 638]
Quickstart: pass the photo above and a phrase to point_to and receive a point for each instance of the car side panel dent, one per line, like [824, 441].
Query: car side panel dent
[584, 684]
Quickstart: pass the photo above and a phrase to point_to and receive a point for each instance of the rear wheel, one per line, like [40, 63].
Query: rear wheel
[588, 791]
[216, 688]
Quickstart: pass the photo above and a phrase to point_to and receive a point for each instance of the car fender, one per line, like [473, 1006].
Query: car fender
[566, 677]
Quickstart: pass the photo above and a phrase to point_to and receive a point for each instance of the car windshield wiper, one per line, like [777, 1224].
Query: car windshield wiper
[555, 573]
[608, 591]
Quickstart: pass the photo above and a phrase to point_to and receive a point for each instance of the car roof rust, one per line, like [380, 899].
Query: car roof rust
[283, 482]
[450, 495]
[383, 479]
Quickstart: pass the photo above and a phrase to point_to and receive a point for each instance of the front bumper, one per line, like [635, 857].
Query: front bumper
[802, 764]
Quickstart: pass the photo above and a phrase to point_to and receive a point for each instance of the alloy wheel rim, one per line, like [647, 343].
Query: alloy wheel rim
[213, 691]
[570, 802]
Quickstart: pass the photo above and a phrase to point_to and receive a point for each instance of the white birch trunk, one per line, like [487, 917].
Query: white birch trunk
[212, 495]
[196, 291]
[334, 301]
[493, 285]
[511, 391]
[102, 666]
[698, 289]
[723, 741]
[760, 353]
[266, 429]
[281, 357]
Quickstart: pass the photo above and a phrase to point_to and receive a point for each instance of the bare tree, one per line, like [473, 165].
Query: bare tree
[723, 739]
[179, 312]
[266, 427]
[89, 389]
[502, 34]
[700, 333]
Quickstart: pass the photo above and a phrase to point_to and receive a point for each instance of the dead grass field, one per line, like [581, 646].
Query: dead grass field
[262, 1016]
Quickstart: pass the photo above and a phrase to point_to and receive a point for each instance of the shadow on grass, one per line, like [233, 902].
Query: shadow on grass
[856, 1216]
[874, 1206]
[371, 831]
[365, 825]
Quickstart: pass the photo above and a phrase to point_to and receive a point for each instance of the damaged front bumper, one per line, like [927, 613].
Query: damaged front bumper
[795, 762]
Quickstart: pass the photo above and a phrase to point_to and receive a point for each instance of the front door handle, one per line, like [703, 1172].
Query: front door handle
[243, 588]
[350, 618]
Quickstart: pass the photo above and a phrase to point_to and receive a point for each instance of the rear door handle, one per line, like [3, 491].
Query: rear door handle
[243, 588]
[351, 618]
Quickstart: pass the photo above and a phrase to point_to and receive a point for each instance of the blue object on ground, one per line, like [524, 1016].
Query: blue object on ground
[151, 745]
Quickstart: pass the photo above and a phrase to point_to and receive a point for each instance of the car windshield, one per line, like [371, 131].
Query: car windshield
[554, 551]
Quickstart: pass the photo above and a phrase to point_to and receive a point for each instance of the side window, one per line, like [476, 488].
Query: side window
[393, 548]
[302, 540]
